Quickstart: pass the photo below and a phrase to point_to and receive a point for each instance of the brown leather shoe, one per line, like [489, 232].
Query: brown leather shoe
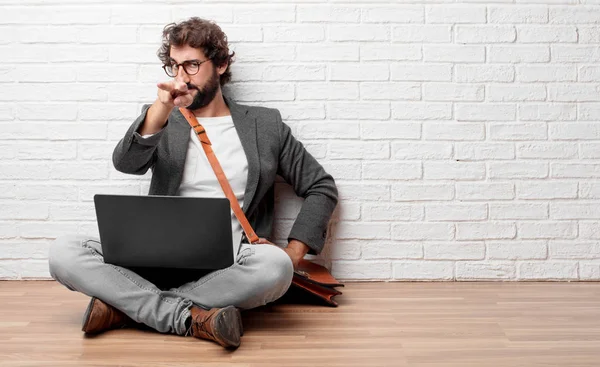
[100, 317]
[222, 325]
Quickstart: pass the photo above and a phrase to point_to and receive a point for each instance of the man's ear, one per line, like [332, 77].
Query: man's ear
[221, 69]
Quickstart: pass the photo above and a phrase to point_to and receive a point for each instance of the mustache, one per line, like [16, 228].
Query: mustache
[192, 86]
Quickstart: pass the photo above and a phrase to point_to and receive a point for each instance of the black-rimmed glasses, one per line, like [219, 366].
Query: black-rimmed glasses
[191, 67]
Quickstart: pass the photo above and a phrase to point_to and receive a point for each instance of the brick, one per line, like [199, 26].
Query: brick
[574, 170]
[46, 191]
[455, 14]
[54, 14]
[588, 34]
[25, 171]
[483, 151]
[574, 250]
[109, 73]
[517, 14]
[518, 131]
[328, 13]
[421, 111]
[77, 170]
[484, 73]
[96, 150]
[574, 92]
[46, 111]
[361, 269]
[540, 230]
[423, 192]
[29, 210]
[452, 92]
[421, 150]
[422, 33]
[515, 92]
[393, 250]
[517, 170]
[453, 131]
[391, 170]
[263, 14]
[344, 250]
[574, 131]
[46, 229]
[572, 210]
[294, 72]
[358, 72]
[589, 190]
[321, 52]
[547, 112]
[387, 91]
[343, 170]
[422, 231]
[392, 212]
[518, 210]
[453, 170]
[359, 110]
[109, 34]
[358, 150]
[222, 13]
[329, 130]
[589, 111]
[517, 250]
[251, 92]
[576, 15]
[394, 14]
[547, 270]
[370, 192]
[589, 150]
[547, 150]
[362, 230]
[361, 32]
[485, 231]
[484, 191]
[589, 270]
[47, 150]
[546, 73]
[271, 53]
[485, 112]
[455, 212]
[453, 53]
[421, 72]
[485, 270]
[243, 33]
[539, 34]
[423, 270]
[140, 15]
[327, 91]
[572, 53]
[454, 251]
[389, 130]
[294, 33]
[485, 34]
[73, 212]
[374, 51]
[589, 229]
[518, 54]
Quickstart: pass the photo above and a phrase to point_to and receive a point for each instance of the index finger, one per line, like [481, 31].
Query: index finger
[168, 86]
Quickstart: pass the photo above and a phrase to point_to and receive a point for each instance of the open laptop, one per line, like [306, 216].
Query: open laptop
[169, 232]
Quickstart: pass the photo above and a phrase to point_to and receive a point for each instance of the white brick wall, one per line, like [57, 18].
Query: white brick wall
[464, 138]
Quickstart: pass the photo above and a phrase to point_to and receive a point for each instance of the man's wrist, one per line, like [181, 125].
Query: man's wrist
[298, 247]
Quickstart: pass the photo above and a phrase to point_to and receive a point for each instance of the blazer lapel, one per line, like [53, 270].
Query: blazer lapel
[178, 145]
[245, 126]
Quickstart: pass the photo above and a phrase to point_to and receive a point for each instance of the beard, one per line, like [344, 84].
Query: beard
[205, 95]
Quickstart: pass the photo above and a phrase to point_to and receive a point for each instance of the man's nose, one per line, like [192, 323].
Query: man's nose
[182, 76]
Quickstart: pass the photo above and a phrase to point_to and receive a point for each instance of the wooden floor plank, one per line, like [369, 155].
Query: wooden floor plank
[377, 324]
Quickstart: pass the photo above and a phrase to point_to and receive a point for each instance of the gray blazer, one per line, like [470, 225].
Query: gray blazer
[271, 150]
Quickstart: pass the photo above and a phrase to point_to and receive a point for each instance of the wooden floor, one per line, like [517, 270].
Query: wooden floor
[377, 324]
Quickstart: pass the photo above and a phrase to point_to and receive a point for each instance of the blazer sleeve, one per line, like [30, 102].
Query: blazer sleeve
[135, 154]
[310, 181]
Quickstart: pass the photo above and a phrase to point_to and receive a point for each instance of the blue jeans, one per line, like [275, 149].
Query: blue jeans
[260, 274]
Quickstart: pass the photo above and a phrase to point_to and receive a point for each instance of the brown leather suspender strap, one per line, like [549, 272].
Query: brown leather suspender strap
[216, 166]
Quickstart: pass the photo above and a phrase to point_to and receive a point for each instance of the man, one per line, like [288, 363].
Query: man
[253, 145]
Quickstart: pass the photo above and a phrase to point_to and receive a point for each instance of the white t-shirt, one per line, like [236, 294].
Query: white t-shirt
[199, 179]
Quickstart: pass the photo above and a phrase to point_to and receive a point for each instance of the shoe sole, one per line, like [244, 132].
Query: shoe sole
[87, 314]
[228, 326]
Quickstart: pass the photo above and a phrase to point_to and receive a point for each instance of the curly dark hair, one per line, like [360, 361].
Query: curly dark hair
[198, 33]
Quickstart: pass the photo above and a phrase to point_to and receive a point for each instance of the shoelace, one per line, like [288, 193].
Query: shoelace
[200, 325]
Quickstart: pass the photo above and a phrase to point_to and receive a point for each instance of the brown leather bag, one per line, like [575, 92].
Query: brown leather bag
[309, 276]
